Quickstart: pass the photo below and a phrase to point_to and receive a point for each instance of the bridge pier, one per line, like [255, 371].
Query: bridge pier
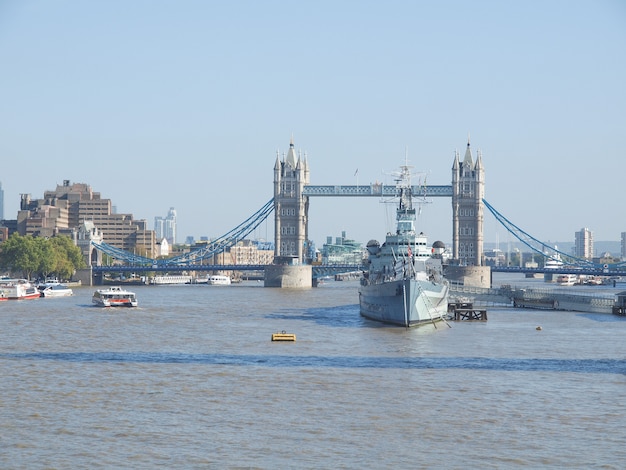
[85, 276]
[474, 276]
[288, 276]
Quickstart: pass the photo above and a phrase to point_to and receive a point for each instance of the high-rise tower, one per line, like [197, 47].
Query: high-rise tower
[170, 226]
[166, 227]
[583, 243]
[468, 191]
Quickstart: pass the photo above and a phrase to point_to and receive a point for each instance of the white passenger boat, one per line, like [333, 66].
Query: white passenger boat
[404, 283]
[18, 289]
[55, 290]
[218, 280]
[567, 279]
[170, 279]
[114, 296]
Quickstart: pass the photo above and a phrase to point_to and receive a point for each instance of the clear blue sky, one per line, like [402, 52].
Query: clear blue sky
[184, 104]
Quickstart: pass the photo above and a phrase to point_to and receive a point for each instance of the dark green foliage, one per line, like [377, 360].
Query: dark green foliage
[41, 257]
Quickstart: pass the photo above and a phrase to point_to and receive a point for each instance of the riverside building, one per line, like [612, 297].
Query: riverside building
[342, 251]
[64, 210]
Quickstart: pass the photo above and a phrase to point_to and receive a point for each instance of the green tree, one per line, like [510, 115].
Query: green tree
[48, 259]
[20, 254]
[28, 255]
[70, 257]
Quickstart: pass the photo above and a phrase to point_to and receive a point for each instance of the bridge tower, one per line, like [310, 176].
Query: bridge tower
[291, 218]
[468, 191]
[291, 207]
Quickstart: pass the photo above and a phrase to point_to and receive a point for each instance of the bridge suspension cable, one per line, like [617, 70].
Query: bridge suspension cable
[216, 246]
[541, 247]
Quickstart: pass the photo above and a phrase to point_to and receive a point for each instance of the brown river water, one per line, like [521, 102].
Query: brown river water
[191, 379]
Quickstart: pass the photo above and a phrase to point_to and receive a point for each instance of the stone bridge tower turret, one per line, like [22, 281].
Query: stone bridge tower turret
[468, 191]
[291, 266]
[291, 207]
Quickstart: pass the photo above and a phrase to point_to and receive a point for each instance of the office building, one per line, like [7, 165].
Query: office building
[583, 243]
[342, 251]
[166, 227]
[64, 210]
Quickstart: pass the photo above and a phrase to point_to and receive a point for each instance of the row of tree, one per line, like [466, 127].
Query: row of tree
[36, 257]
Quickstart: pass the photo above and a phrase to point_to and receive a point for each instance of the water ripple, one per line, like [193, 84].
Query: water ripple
[602, 366]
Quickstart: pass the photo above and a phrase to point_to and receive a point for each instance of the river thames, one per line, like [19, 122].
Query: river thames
[191, 379]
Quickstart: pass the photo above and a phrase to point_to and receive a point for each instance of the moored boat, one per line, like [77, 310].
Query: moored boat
[567, 279]
[404, 283]
[554, 262]
[114, 296]
[170, 279]
[218, 280]
[55, 290]
[594, 281]
[18, 289]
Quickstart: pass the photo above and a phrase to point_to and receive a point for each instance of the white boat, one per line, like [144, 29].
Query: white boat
[553, 262]
[55, 290]
[404, 283]
[170, 279]
[114, 296]
[567, 279]
[594, 281]
[18, 289]
[218, 280]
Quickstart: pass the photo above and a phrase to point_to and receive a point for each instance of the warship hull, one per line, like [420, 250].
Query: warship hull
[404, 302]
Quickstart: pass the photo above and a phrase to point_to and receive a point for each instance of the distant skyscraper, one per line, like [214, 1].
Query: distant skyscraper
[170, 226]
[159, 232]
[623, 246]
[583, 243]
[166, 227]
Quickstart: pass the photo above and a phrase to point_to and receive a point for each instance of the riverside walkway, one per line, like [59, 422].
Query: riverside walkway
[542, 298]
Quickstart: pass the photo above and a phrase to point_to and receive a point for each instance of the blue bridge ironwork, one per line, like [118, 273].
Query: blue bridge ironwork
[194, 257]
[571, 264]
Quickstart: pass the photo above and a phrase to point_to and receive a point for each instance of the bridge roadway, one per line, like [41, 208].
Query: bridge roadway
[318, 270]
[326, 270]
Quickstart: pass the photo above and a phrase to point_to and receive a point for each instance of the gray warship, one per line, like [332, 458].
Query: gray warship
[403, 282]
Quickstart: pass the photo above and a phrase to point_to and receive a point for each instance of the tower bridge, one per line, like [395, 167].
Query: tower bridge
[290, 204]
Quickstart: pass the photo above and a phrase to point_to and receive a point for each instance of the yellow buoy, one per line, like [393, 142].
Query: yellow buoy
[283, 336]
